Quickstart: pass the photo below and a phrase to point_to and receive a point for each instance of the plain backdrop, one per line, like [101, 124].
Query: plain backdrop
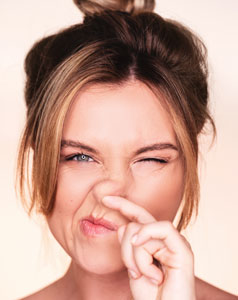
[28, 259]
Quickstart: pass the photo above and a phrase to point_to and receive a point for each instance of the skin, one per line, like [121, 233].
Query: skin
[145, 196]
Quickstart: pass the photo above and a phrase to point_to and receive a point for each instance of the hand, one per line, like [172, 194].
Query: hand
[158, 258]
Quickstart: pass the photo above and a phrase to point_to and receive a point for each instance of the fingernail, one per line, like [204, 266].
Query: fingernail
[134, 238]
[108, 200]
[133, 274]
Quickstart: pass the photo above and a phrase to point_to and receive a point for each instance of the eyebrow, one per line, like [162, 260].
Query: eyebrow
[76, 144]
[153, 147]
[157, 146]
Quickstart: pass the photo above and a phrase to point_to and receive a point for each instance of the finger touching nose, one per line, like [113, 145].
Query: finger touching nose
[109, 188]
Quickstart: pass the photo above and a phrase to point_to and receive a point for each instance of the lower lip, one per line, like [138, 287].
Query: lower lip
[91, 229]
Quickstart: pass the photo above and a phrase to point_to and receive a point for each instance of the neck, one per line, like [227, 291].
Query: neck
[83, 285]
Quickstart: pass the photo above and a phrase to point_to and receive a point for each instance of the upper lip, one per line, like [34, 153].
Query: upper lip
[101, 221]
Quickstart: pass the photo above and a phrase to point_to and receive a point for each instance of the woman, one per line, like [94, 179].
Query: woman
[115, 108]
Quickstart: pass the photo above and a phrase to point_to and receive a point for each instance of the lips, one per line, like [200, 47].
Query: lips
[91, 226]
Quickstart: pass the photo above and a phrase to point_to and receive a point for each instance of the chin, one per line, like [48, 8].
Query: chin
[100, 264]
[102, 267]
[99, 258]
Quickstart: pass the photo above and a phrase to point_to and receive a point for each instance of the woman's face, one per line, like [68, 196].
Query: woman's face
[119, 141]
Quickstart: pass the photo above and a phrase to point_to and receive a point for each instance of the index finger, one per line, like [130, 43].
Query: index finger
[129, 209]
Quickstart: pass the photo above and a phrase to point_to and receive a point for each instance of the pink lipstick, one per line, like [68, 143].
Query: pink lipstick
[96, 227]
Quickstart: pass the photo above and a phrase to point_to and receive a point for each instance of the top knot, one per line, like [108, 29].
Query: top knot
[90, 7]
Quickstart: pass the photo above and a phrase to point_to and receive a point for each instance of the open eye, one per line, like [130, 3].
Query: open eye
[80, 157]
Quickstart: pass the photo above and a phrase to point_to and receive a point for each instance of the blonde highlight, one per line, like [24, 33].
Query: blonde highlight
[90, 7]
[112, 48]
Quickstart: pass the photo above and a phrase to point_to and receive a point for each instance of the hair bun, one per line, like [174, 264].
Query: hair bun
[89, 7]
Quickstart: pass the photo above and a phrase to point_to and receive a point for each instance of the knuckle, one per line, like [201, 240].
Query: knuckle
[169, 226]
[188, 254]
[186, 243]
[191, 254]
[126, 260]
[132, 226]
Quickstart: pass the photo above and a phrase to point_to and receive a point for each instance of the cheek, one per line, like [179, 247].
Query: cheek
[72, 189]
[162, 193]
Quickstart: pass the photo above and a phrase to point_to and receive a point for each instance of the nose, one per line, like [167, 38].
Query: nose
[113, 186]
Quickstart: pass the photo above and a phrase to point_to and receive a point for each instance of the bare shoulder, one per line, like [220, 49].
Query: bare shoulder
[50, 292]
[206, 291]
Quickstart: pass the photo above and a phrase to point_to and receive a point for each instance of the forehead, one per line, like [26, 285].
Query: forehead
[122, 113]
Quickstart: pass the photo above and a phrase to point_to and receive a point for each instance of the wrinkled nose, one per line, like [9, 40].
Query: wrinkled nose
[112, 187]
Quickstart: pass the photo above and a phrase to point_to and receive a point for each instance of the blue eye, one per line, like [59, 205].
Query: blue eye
[80, 157]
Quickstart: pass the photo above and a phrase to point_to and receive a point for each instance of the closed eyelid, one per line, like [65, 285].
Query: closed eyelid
[163, 160]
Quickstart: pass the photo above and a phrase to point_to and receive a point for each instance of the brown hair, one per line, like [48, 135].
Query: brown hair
[118, 41]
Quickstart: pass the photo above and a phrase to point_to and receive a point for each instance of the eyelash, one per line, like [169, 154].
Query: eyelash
[71, 157]
[157, 160]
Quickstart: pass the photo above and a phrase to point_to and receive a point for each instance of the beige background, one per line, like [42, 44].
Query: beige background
[26, 265]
